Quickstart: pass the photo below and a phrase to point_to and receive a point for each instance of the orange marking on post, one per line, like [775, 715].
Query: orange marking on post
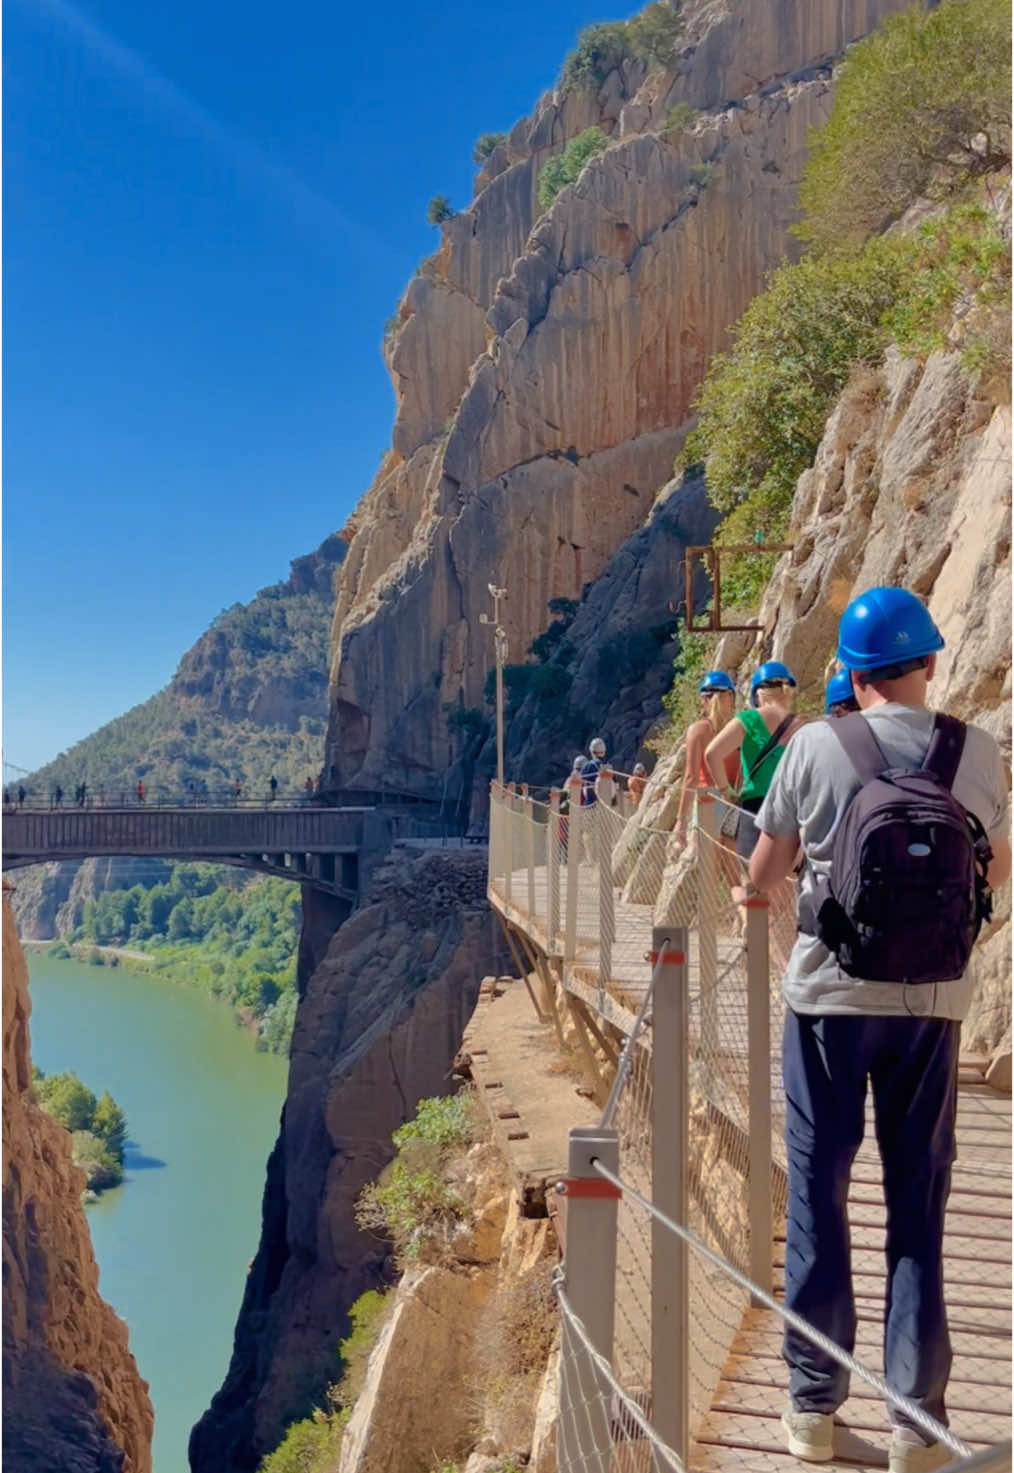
[669, 958]
[590, 1186]
[757, 902]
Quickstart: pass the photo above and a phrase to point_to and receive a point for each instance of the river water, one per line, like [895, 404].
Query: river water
[174, 1241]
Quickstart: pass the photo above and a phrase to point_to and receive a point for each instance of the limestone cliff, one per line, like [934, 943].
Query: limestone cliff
[379, 1024]
[72, 1395]
[545, 367]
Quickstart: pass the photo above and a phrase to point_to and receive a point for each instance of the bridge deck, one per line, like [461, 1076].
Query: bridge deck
[741, 1431]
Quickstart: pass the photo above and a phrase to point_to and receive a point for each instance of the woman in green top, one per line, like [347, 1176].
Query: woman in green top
[759, 734]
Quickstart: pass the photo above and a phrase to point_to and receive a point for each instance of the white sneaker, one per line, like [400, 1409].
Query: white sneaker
[810, 1435]
[909, 1454]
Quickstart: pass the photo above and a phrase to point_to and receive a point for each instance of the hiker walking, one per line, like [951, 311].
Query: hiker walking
[571, 799]
[717, 696]
[58, 796]
[759, 734]
[22, 795]
[605, 786]
[273, 787]
[140, 790]
[839, 698]
[590, 771]
[876, 988]
[636, 784]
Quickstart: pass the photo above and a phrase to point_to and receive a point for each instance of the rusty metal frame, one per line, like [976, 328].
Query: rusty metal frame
[713, 557]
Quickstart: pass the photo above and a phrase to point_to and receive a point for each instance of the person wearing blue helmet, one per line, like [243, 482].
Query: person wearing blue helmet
[839, 698]
[717, 694]
[899, 1037]
[754, 740]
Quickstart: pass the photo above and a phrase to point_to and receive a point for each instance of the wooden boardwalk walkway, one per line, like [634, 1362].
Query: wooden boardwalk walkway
[741, 1431]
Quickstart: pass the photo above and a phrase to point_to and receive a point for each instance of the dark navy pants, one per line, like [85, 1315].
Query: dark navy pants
[912, 1066]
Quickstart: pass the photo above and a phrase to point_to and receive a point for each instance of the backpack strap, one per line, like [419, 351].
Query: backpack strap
[860, 745]
[946, 746]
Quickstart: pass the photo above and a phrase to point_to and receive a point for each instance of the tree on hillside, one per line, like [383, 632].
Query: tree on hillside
[65, 1098]
[439, 210]
[109, 1124]
[919, 107]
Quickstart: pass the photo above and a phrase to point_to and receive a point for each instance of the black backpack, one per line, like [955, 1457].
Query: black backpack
[907, 892]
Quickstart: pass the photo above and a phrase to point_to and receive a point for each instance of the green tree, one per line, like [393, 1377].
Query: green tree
[919, 106]
[485, 145]
[110, 1125]
[565, 167]
[100, 1166]
[65, 1098]
[600, 49]
[439, 210]
[656, 31]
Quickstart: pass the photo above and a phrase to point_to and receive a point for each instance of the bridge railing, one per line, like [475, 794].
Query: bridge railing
[162, 796]
[665, 977]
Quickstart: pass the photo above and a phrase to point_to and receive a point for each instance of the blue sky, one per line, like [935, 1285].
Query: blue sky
[210, 211]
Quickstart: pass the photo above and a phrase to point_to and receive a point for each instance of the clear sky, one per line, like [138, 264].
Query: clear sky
[210, 210]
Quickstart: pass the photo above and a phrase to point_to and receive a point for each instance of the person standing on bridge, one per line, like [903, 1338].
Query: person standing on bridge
[636, 784]
[58, 796]
[140, 790]
[273, 787]
[22, 795]
[878, 999]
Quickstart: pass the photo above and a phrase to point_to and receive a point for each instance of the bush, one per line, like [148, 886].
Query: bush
[368, 1316]
[656, 31]
[702, 174]
[110, 1125]
[413, 1203]
[448, 1120]
[58, 949]
[439, 210]
[310, 1446]
[681, 117]
[65, 1098]
[565, 167]
[652, 36]
[919, 106]
[600, 49]
[485, 145]
[100, 1167]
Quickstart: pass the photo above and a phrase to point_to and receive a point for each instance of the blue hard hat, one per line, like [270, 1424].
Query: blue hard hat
[839, 689]
[770, 673]
[886, 626]
[715, 680]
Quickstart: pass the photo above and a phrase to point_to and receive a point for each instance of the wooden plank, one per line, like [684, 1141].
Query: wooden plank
[859, 1411]
[989, 1369]
[962, 1394]
[762, 1322]
[991, 1227]
[956, 1270]
[763, 1433]
[989, 1319]
[871, 1286]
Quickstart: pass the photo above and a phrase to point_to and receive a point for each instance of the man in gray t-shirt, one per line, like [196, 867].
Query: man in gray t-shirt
[841, 1032]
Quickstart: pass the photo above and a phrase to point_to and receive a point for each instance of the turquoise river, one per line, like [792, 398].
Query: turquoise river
[174, 1242]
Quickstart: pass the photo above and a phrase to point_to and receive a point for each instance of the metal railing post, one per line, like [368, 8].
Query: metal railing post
[584, 1441]
[707, 924]
[529, 842]
[553, 867]
[509, 806]
[574, 840]
[607, 916]
[758, 1022]
[670, 1309]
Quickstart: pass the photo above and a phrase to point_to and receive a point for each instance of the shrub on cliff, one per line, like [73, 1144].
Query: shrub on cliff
[439, 210]
[652, 36]
[415, 1203]
[98, 1163]
[566, 166]
[919, 106]
[485, 145]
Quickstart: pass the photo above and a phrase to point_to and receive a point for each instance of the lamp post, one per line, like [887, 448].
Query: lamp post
[500, 652]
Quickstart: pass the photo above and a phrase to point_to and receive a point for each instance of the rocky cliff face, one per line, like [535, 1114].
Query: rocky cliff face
[379, 1024]
[544, 374]
[72, 1395]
